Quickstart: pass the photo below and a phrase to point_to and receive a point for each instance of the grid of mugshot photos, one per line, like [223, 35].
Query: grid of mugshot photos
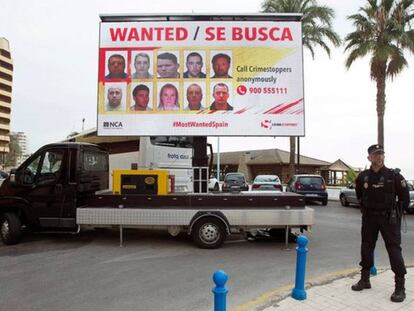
[156, 81]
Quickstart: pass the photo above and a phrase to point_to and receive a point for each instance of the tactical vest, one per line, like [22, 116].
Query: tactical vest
[378, 191]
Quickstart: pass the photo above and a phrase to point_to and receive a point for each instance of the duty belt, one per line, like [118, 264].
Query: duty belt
[375, 212]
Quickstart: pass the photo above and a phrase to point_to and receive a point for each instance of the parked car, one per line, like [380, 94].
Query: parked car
[267, 182]
[235, 182]
[213, 184]
[313, 187]
[347, 195]
[410, 208]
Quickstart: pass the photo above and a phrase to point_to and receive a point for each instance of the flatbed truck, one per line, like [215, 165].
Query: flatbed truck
[65, 186]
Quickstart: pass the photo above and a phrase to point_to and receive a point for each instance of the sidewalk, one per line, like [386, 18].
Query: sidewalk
[337, 295]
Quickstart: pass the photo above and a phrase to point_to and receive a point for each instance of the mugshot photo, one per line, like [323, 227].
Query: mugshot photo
[221, 96]
[168, 66]
[168, 96]
[116, 65]
[194, 65]
[221, 64]
[194, 93]
[141, 97]
[142, 65]
[115, 96]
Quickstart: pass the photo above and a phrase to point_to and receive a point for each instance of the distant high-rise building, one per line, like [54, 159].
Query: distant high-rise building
[21, 139]
[6, 78]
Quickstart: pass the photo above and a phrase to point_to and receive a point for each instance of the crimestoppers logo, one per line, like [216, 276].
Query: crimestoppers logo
[115, 125]
[267, 124]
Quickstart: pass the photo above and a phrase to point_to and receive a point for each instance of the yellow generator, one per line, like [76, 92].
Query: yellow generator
[142, 182]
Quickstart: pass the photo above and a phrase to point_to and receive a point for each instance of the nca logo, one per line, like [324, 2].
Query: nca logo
[112, 125]
[267, 124]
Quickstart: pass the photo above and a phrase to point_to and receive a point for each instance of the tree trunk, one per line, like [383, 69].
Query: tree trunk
[381, 106]
[292, 156]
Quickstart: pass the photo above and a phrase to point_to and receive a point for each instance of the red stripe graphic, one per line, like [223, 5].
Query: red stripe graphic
[242, 110]
[281, 108]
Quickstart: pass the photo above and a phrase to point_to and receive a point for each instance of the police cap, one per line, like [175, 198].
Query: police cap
[375, 149]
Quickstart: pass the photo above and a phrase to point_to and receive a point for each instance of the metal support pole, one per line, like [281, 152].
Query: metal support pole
[121, 237]
[287, 237]
[121, 233]
[220, 291]
[218, 159]
[298, 157]
[299, 292]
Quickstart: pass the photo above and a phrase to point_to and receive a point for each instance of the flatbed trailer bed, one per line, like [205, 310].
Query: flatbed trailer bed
[207, 217]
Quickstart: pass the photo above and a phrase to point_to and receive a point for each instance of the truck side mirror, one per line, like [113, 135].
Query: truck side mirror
[13, 176]
[18, 178]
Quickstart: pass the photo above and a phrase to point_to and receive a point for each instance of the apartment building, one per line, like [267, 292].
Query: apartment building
[6, 78]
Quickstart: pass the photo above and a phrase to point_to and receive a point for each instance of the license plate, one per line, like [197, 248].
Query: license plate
[311, 195]
[235, 187]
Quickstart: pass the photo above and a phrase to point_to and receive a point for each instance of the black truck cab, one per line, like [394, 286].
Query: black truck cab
[45, 190]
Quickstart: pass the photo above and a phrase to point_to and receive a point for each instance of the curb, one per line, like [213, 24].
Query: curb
[270, 298]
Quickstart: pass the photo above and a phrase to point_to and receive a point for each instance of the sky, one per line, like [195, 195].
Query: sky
[54, 46]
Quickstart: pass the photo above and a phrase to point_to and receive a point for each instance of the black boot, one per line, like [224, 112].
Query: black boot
[399, 294]
[363, 283]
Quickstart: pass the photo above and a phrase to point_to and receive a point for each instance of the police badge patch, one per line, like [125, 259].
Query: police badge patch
[366, 185]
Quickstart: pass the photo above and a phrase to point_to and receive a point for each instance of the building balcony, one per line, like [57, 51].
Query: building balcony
[5, 105]
[6, 82]
[5, 70]
[4, 138]
[5, 127]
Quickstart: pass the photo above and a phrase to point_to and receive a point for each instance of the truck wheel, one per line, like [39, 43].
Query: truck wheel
[209, 232]
[343, 200]
[10, 228]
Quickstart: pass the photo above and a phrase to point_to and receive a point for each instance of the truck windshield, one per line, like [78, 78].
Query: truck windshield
[172, 141]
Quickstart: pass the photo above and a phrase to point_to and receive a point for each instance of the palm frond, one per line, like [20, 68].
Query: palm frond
[316, 22]
[397, 62]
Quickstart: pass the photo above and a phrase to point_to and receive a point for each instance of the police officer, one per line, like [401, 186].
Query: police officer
[376, 190]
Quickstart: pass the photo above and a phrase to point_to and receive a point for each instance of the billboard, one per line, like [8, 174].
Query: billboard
[201, 78]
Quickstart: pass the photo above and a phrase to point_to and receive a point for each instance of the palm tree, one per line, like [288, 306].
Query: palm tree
[383, 30]
[316, 31]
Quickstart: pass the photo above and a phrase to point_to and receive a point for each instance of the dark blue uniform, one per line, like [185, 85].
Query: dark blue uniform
[377, 193]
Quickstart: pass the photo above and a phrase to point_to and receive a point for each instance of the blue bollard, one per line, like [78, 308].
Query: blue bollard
[299, 292]
[220, 292]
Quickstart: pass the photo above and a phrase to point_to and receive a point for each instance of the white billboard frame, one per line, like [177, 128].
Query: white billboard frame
[264, 82]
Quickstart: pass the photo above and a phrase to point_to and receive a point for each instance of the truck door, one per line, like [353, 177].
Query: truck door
[68, 214]
[44, 181]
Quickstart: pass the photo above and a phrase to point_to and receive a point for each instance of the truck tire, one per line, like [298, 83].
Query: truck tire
[209, 232]
[10, 228]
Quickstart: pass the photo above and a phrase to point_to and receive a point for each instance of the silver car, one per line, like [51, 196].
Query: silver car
[348, 196]
[410, 208]
[267, 182]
